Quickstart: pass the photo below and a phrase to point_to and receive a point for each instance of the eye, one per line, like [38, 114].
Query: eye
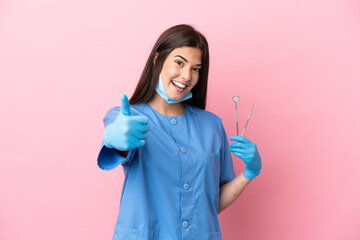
[178, 62]
[198, 70]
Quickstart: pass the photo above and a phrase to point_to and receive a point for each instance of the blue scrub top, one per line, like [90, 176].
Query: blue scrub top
[171, 185]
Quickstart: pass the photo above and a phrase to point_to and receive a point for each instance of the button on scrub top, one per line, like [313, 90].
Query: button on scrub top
[171, 185]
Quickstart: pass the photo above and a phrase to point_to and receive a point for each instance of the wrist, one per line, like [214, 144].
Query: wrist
[250, 174]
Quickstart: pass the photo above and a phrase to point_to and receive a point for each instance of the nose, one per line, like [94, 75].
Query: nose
[186, 74]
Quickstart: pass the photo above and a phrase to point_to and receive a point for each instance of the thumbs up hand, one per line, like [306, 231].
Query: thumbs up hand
[126, 132]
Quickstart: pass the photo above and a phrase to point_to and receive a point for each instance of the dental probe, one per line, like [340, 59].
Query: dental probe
[248, 119]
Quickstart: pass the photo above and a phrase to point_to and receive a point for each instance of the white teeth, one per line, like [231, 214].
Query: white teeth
[179, 84]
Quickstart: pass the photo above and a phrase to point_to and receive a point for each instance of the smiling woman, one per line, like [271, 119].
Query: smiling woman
[179, 74]
[174, 38]
[175, 155]
[181, 68]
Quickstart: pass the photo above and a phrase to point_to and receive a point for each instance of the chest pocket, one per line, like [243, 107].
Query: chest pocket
[211, 178]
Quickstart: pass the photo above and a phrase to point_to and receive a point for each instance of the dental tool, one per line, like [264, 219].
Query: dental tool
[236, 99]
[247, 121]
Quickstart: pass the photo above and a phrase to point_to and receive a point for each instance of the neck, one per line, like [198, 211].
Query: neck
[165, 108]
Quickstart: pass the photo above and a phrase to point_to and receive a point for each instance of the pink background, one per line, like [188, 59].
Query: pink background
[63, 64]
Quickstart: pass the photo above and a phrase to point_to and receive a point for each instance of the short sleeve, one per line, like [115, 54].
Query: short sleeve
[109, 158]
[227, 172]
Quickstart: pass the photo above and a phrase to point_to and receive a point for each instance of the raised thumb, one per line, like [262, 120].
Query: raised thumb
[125, 106]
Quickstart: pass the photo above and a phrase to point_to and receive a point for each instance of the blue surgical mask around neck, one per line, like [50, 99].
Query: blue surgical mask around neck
[161, 91]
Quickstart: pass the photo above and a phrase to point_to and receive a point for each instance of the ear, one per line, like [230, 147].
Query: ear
[156, 55]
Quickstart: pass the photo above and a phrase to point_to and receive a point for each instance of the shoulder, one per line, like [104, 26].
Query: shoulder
[134, 110]
[204, 115]
[113, 112]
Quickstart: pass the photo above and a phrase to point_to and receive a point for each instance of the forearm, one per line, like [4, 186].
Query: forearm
[230, 191]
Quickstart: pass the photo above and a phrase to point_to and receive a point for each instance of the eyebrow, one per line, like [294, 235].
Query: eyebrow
[186, 59]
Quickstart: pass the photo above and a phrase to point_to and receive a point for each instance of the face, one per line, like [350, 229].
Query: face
[181, 71]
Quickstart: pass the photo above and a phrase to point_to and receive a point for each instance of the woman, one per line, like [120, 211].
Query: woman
[175, 155]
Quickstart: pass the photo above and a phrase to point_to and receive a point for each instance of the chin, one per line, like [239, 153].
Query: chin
[175, 99]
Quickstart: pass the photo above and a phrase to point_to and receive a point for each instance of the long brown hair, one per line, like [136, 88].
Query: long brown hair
[175, 37]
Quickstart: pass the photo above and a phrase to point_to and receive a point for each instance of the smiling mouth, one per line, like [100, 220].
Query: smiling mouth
[179, 85]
